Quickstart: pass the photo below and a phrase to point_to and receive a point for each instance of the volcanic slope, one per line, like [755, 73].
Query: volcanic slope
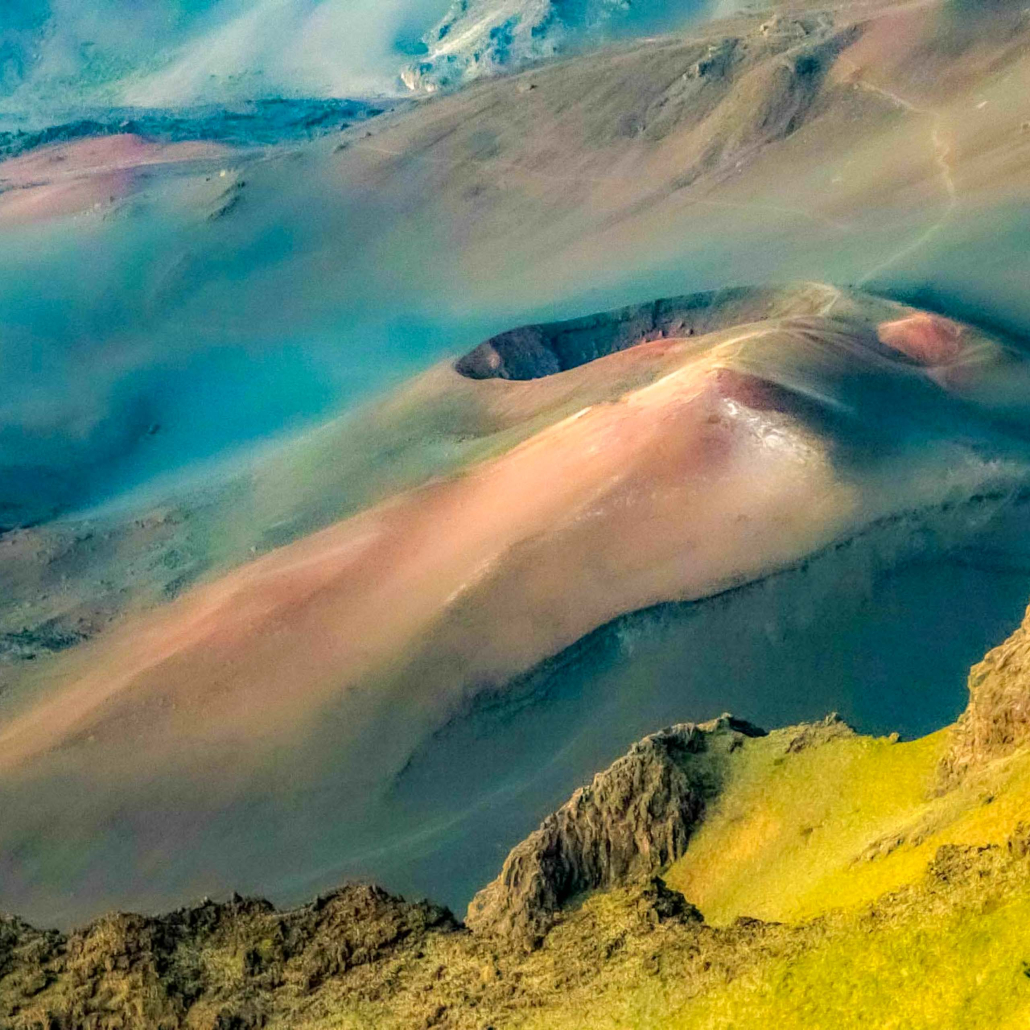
[890, 881]
[206, 731]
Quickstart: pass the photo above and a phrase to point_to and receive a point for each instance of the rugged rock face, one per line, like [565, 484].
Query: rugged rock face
[997, 720]
[634, 819]
[173, 970]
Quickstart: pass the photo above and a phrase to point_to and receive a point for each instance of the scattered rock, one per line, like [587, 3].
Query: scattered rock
[913, 835]
[1018, 845]
[660, 904]
[955, 863]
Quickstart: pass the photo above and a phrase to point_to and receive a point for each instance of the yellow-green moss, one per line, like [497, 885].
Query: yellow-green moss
[793, 836]
[963, 970]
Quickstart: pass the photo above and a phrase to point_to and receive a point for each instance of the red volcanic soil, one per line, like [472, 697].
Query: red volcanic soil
[925, 338]
[70, 178]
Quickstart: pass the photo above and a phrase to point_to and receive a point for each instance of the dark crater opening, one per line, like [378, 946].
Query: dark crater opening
[535, 351]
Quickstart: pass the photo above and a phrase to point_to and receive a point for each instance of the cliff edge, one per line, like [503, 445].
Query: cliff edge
[997, 720]
[633, 820]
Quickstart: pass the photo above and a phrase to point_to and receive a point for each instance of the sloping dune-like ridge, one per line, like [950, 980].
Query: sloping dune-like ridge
[671, 469]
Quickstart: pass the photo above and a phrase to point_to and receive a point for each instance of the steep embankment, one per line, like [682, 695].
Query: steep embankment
[894, 905]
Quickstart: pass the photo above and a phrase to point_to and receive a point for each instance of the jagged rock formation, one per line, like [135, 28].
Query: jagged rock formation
[634, 819]
[997, 719]
[170, 971]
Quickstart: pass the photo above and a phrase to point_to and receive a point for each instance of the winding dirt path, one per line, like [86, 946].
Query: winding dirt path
[942, 154]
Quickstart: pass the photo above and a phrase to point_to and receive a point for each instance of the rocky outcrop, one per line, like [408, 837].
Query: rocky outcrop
[360, 957]
[185, 968]
[633, 820]
[997, 719]
[815, 734]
